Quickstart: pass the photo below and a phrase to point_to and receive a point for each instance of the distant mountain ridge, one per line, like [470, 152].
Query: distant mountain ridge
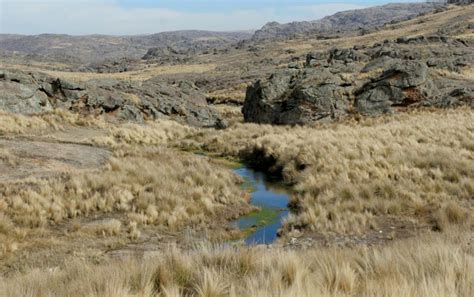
[346, 20]
[98, 48]
[89, 48]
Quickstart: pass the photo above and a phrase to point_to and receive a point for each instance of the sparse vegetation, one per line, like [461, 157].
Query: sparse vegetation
[427, 267]
[142, 186]
[140, 75]
[347, 176]
[13, 124]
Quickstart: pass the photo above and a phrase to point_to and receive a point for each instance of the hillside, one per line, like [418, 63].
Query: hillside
[366, 18]
[100, 48]
[93, 48]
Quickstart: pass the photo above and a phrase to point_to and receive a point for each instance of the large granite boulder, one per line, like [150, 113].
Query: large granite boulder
[404, 83]
[296, 97]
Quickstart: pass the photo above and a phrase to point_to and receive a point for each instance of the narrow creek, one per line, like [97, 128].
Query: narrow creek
[272, 198]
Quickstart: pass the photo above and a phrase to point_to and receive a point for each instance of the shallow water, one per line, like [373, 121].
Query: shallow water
[272, 198]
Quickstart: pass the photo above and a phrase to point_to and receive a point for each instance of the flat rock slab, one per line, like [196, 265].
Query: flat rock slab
[44, 159]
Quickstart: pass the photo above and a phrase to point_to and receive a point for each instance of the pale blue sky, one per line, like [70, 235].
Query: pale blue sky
[230, 5]
[122, 17]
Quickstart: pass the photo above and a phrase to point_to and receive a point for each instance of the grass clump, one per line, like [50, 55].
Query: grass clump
[152, 186]
[434, 266]
[348, 175]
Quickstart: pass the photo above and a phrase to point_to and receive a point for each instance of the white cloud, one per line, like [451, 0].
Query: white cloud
[107, 17]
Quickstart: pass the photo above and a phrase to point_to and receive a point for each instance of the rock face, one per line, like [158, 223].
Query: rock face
[30, 93]
[373, 80]
[404, 83]
[21, 94]
[294, 97]
[346, 20]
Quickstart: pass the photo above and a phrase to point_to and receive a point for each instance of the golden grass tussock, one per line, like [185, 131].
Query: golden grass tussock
[158, 132]
[113, 135]
[56, 120]
[409, 166]
[138, 75]
[7, 157]
[435, 266]
[141, 186]
[345, 177]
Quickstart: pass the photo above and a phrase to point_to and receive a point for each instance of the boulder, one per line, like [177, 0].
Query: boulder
[316, 58]
[296, 97]
[347, 55]
[403, 84]
[21, 94]
[261, 104]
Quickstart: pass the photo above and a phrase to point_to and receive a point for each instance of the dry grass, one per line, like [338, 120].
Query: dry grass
[145, 184]
[417, 167]
[152, 133]
[347, 175]
[17, 124]
[112, 135]
[140, 186]
[7, 157]
[467, 74]
[436, 266]
[138, 75]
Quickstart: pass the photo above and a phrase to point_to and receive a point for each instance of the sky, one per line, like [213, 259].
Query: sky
[132, 17]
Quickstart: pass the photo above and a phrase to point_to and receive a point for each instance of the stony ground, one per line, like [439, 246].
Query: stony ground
[42, 159]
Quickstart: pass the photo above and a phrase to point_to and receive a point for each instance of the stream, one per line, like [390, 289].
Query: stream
[272, 198]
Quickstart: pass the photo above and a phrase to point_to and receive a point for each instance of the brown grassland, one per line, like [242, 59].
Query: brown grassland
[347, 178]
[431, 266]
[138, 75]
[417, 166]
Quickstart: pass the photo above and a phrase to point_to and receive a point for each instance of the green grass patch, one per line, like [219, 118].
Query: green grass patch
[259, 218]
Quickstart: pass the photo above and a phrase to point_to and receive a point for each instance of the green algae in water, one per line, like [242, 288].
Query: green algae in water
[258, 219]
[261, 227]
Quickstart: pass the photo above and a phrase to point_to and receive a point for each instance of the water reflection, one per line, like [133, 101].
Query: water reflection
[272, 198]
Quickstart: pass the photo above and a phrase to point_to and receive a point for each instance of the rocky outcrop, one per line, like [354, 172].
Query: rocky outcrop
[30, 93]
[404, 83]
[294, 97]
[21, 94]
[372, 80]
[111, 66]
[347, 20]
